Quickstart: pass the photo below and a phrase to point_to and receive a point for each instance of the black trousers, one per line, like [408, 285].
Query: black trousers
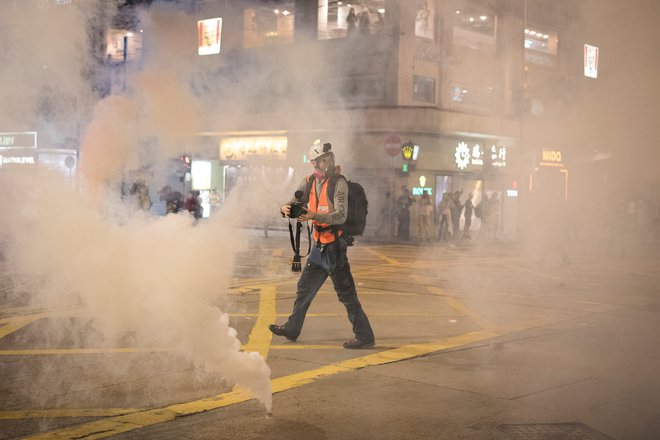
[329, 261]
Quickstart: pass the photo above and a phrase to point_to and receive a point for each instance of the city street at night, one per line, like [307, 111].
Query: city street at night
[320, 219]
[473, 342]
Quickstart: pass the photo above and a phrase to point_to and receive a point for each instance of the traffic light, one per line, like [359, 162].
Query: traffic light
[185, 159]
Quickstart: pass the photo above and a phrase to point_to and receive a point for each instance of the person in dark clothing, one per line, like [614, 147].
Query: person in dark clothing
[328, 258]
[469, 208]
[173, 199]
[403, 205]
[193, 204]
[351, 22]
[455, 209]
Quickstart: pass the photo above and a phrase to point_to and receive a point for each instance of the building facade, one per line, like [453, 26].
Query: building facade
[478, 87]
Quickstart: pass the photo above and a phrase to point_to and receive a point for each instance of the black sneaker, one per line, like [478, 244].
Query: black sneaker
[357, 343]
[279, 330]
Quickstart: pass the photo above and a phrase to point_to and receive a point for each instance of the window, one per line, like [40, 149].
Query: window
[475, 27]
[471, 97]
[339, 19]
[424, 89]
[268, 26]
[540, 46]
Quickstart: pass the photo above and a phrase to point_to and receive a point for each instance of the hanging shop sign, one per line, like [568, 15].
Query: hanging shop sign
[590, 61]
[473, 154]
[209, 33]
[243, 148]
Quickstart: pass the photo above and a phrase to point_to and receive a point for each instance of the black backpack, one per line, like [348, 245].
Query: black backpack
[356, 220]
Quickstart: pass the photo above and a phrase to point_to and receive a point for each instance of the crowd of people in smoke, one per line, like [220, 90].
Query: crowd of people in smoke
[172, 201]
[451, 209]
[550, 222]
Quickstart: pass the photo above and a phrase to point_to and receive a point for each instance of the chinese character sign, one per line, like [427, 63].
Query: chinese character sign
[473, 155]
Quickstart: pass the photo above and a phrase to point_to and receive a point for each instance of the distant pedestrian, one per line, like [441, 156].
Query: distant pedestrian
[445, 217]
[455, 211]
[351, 22]
[365, 21]
[467, 213]
[403, 205]
[483, 212]
[193, 204]
[425, 218]
[173, 200]
[140, 191]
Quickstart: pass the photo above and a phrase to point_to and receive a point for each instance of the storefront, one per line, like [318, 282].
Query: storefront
[432, 164]
[19, 150]
[256, 169]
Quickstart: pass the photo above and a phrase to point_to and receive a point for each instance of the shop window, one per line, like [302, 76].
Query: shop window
[424, 89]
[474, 27]
[540, 46]
[425, 19]
[268, 26]
[339, 19]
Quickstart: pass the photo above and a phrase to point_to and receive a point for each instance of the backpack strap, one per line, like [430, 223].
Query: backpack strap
[332, 183]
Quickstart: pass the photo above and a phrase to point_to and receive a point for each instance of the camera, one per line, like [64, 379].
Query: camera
[297, 207]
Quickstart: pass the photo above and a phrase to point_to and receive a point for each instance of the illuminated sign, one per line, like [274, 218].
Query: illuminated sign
[551, 158]
[419, 191]
[27, 139]
[209, 33]
[407, 150]
[590, 61]
[465, 155]
[241, 148]
[497, 156]
[16, 160]
[201, 174]
[410, 151]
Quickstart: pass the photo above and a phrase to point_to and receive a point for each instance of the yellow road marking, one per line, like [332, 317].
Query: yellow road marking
[16, 324]
[54, 413]
[260, 336]
[391, 261]
[130, 422]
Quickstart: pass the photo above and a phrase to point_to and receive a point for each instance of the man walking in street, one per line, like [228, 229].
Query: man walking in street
[326, 195]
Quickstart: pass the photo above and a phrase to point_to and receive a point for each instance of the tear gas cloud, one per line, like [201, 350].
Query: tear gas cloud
[157, 278]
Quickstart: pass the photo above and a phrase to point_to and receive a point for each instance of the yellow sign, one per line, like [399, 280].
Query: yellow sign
[551, 158]
[407, 149]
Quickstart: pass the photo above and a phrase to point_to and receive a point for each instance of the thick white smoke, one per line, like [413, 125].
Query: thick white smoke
[158, 278]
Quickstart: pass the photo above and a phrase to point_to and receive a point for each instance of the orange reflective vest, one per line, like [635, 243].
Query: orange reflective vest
[323, 233]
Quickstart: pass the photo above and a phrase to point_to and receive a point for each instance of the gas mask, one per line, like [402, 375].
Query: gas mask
[326, 169]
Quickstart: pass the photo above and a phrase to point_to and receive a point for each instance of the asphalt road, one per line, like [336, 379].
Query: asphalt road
[474, 341]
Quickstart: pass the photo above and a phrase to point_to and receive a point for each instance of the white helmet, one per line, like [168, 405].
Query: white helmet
[318, 149]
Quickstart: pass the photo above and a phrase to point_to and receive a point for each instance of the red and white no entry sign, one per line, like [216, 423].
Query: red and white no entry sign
[393, 145]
